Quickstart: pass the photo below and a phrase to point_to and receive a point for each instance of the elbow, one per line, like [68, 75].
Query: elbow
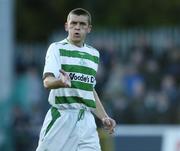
[50, 83]
[46, 84]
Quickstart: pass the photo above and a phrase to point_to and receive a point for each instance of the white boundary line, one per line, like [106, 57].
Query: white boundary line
[144, 130]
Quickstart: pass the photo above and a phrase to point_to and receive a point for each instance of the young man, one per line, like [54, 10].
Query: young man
[69, 72]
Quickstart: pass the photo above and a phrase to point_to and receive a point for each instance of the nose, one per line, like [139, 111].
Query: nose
[77, 26]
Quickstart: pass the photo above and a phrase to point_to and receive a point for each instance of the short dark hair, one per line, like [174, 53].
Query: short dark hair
[81, 11]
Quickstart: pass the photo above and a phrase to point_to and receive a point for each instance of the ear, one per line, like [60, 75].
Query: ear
[89, 29]
[66, 26]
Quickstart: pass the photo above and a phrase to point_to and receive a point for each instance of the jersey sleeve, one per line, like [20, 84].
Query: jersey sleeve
[52, 61]
[98, 55]
[94, 84]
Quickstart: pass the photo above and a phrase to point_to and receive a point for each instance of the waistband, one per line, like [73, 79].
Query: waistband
[75, 109]
[81, 111]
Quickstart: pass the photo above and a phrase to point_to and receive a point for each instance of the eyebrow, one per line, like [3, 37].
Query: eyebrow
[81, 22]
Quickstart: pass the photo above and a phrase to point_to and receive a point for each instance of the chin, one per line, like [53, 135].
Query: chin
[77, 40]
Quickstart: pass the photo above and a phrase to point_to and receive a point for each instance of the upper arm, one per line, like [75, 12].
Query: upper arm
[95, 93]
[52, 61]
[48, 74]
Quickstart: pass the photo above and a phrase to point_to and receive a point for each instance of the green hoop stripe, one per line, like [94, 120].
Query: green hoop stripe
[55, 115]
[74, 99]
[78, 69]
[78, 54]
[81, 85]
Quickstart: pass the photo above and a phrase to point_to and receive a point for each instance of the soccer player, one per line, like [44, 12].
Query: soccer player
[69, 72]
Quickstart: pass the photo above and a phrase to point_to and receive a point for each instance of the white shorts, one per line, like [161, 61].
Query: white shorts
[68, 130]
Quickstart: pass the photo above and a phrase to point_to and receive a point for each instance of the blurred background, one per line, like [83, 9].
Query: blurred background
[138, 79]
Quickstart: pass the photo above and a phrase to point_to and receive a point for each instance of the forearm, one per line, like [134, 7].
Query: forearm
[99, 111]
[52, 83]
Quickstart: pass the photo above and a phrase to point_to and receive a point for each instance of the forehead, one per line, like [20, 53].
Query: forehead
[77, 18]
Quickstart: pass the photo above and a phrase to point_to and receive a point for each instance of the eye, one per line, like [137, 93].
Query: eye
[73, 23]
[82, 23]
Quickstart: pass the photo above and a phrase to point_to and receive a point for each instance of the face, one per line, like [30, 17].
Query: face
[77, 28]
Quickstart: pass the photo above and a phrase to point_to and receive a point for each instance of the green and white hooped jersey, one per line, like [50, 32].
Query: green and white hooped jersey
[81, 64]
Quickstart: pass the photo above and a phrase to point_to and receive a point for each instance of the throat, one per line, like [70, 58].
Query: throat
[77, 44]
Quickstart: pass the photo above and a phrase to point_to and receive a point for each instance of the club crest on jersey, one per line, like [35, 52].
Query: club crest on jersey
[82, 62]
[82, 78]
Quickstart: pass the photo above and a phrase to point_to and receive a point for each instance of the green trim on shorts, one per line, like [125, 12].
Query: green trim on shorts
[74, 99]
[55, 115]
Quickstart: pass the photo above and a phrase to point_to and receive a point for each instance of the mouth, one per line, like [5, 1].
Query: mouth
[77, 34]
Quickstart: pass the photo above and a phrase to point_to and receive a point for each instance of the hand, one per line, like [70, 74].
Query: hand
[109, 124]
[65, 79]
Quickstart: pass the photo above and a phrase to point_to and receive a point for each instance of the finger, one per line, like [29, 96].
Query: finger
[111, 127]
[113, 123]
[62, 77]
[106, 122]
[68, 78]
[62, 71]
[112, 131]
[65, 74]
[68, 82]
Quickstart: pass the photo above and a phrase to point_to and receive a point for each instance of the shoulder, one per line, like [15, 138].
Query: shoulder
[93, 50]
[57, 45]
[62, 42]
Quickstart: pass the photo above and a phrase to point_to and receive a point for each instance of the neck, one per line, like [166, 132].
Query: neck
[78, 44]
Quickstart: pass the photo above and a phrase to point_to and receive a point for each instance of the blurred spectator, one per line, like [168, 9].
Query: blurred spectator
[141, 49]
[133, 82]
[169, 88]
[152, 74]
[21, 130]
[104, 71]
[170, 62]
[28, 88]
